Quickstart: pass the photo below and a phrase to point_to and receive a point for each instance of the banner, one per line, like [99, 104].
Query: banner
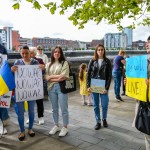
[5, 100]
[136, 75]
[97, 85]
[29, 83]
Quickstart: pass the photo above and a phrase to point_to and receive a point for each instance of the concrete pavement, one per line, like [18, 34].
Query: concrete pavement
[82, 136]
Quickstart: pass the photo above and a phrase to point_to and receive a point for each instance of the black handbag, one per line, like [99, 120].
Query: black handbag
[142, 122]
[68, 85]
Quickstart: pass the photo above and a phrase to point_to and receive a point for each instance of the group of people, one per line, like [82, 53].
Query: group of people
[56, 70]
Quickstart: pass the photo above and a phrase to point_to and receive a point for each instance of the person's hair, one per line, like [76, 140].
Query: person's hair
[61, 58]
[39, 47]
[34, 49]
[148, 38]
[81, 70]
[25, 47]
[95, 57]
[121, 52]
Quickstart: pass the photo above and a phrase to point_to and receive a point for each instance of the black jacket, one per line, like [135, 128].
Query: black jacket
[105, 72]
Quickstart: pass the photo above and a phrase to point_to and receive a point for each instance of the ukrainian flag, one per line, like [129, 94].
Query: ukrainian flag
[7, 81]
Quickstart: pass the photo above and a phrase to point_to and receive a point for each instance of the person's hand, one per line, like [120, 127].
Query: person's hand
[14, 68]
[147, 82]
[47, 78]
[89, 90]
[42, 66]
[104, 92]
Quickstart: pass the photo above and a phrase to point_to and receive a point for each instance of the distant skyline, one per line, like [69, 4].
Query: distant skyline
[34, 23]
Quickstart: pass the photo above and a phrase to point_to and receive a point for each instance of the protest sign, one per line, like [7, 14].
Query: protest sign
[97, 85]
[2, 58]
[29, 83]
[136, 74]
[5, 100]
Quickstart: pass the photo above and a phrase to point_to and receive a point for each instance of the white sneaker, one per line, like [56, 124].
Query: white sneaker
[41, 121]
[27, 122]
[63, 131]
[54, 130]
[3, 131]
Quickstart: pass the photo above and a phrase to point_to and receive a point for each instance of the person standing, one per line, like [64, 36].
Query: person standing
[100, 68]
[83, 86]
[40, 54]
[26, 60]
[118, 64]
[58, 70]
[40, 105]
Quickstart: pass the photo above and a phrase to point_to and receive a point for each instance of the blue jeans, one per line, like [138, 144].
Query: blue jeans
[104, 103]
[20, 106]
[4, 114]
[57, 99]
[117, 82]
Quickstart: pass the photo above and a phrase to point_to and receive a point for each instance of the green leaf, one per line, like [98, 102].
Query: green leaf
[61, 12]
[16, 6]
[37, 5]
[29, 1]
[53, 9]
[148, 9]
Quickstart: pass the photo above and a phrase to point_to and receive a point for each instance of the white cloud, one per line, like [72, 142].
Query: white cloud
[34, 23]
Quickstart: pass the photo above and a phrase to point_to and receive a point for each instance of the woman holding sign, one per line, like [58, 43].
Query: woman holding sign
[26, 60]
[58, 70]
[99, 68]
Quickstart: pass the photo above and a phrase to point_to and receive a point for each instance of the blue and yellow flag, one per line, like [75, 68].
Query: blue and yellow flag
[7, 81]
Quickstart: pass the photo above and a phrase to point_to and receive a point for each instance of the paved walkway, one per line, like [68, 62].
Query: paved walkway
[82, 136]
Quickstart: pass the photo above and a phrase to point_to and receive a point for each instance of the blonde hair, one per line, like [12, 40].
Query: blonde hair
[33, 49]
[121, 52]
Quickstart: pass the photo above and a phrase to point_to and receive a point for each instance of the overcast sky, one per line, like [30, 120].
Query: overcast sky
[34, 23]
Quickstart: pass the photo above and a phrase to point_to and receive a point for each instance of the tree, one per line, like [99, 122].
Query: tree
[112, 11]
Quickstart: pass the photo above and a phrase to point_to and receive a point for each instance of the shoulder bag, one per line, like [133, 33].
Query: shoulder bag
[68, 85]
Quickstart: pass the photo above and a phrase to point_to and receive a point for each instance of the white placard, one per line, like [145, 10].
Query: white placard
[2, 58]
[5, 100]
[29, 83]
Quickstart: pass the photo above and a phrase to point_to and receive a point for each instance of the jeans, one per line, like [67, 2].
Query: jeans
[20, 106]
[4, 114]
[57, 99]
[104, 103]
[40, 108]
[117, 82]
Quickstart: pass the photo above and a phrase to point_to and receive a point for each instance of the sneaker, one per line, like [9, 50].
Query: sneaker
[97, 126]
[3, 131]
[6, 122]
[123, 94]
[90, 104]
[119, 99]
[27, 122]
[84, 103]
[63, 132]
[41, 121]
[54, 130]
[105, 124]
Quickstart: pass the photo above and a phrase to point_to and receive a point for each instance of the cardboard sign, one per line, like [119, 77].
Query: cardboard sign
[29, 83]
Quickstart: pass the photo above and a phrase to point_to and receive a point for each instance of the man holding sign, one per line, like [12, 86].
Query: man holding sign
[26, 78]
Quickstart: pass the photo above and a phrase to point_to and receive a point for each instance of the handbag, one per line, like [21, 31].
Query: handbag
[68, 85]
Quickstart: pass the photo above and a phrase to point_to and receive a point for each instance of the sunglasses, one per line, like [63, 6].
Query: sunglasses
[40, 49]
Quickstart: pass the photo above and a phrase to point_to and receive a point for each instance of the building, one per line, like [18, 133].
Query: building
[95, 42]
[115, 41]
[139, 45]
[25, 41]
[129, 33]
[15, 40]
[3, 37]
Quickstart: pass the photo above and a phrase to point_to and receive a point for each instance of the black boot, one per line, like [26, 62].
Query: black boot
[98, 126]
[105, 123]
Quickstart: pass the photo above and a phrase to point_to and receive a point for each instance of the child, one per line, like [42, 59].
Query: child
[83, 87]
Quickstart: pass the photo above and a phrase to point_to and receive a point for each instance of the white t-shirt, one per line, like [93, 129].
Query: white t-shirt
[100, 62]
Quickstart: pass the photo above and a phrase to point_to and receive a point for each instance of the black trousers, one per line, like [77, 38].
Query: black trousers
[40, 108]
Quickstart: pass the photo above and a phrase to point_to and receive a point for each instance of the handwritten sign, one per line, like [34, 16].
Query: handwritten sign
[2, 58]
[97, 85]
[29, 83]
[5, 100]
[136, 73]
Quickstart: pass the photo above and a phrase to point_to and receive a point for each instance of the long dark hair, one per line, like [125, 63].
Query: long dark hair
[61, 58]
[95, 57]
[81, 69]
